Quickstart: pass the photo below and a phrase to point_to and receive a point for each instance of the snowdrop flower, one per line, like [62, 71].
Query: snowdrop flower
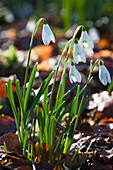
[74, 75]
[78, 53]
[47, 34]
[86, 41]
[104, 75]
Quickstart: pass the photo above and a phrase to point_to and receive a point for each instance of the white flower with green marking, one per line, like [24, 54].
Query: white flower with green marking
[86, 41]
[78, 53]
[104, 74]
[47, 34]
[74, 75]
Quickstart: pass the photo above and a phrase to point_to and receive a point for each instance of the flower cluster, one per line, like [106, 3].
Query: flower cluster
[81, 47]
[84, 44]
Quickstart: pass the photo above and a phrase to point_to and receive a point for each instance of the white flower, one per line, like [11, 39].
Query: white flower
[47, 34]
[74, 75]
[78, 54]
[86, 41]
[104, 75]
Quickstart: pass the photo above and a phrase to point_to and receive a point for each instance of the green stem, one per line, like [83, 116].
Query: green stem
[75, 33]
[30, 47]
[56, 74]
[71, 133]
[66, 62]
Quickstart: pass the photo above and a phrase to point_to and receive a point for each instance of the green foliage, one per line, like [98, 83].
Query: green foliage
[110, 87]
[10, 57]
[50, 116]
[82, 10]
[5, 147]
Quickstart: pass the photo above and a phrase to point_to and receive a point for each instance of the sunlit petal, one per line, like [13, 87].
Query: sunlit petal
[78, 54]
[104, 75]
[74, 75]
[86, 41]
[47, 35]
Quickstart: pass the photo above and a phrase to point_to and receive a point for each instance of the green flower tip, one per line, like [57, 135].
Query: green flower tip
[45, 22]
[101, 63]
[72, 63]
[83, 28]
[76, 41]
[91, 62]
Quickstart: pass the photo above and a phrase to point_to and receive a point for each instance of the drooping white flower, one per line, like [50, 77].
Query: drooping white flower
[104, 74]
[47, 34]
[78, 53]
[74, 75]
[86, 41]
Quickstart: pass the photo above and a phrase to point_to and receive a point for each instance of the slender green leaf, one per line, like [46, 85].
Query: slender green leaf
[59, 155]
[51, 136]
[75, 105]
[29, 88]
[58, 147]
[41, 91]
[73, 158]
[31, 43]
[25, 142]
[85, 155]
[11, 99]
[5, 147]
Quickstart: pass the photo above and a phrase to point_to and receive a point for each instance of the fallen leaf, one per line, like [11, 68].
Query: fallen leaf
[103, 43]
[84, 127]
[14, 160]
[45, 149]
[7, 124]
[42, 165]
[24, 168]
[44, 66]
[11, 140]
[44, 52]
[3, 93]
[106, 120]
[47, 65]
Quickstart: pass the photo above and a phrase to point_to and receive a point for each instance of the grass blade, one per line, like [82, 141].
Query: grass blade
[29, 88]
[41, 91]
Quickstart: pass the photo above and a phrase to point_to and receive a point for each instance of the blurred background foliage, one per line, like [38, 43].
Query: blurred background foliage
[88, 12]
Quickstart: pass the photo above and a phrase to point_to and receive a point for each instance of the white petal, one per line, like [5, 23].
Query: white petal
[52, 37]
[104, 75]
[75, 54]
[109, 78]
[102, 78]
[47, 35]
[86, 41]
[74, 75]
[78, 54]
[70, 78]
[85, 44]
[51, 34]
[74, 79]
[82, 55]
